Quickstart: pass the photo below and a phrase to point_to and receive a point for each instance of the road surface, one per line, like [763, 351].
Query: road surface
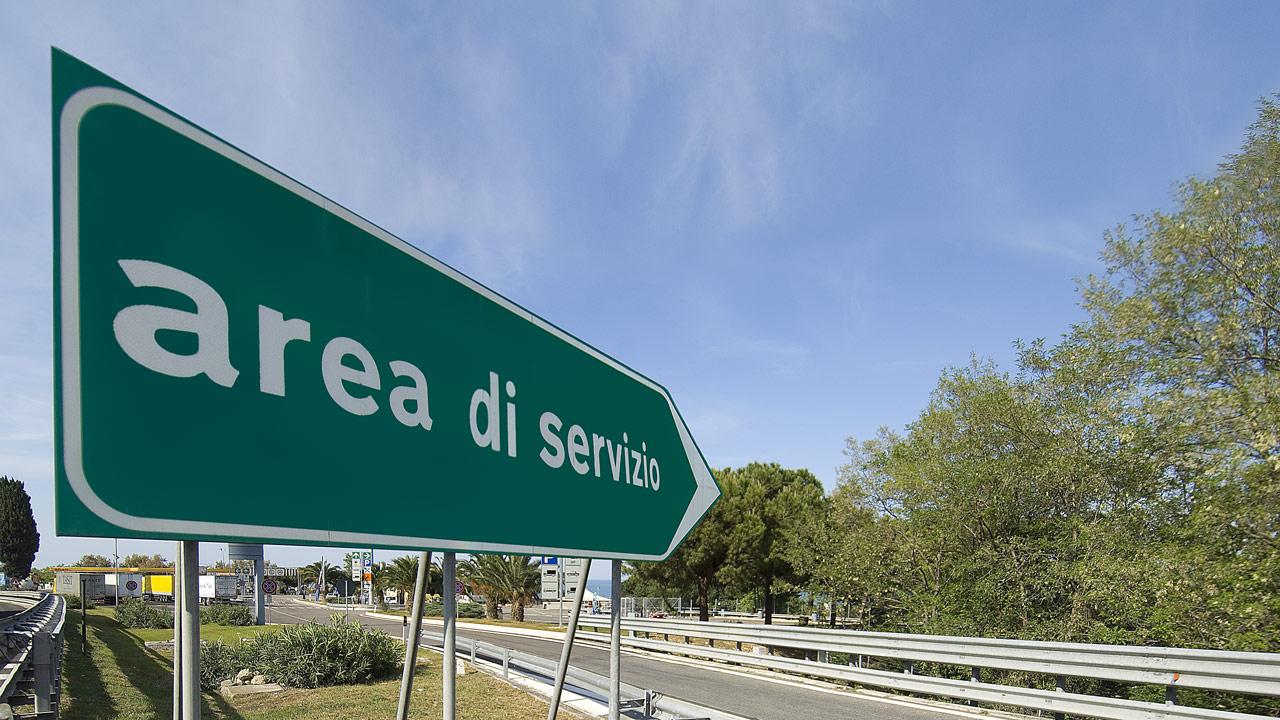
[750, 696]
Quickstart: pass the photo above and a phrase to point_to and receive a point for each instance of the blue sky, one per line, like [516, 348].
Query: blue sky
[792, 215]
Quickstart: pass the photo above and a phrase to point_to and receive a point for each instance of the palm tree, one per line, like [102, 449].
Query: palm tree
[309, 573]
[524, 582]
[514, 578]
[484, 575]
[402, 576]
[378, 576]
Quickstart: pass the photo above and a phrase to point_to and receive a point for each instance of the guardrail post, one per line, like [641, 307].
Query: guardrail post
[824, 656]
[975, 675]
[42, 664]
[506, 662]
[1061, 686]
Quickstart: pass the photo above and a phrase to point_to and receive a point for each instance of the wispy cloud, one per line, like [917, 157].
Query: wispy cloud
[753, 94]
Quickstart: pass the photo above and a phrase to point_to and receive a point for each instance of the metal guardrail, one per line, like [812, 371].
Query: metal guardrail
[649, 702]
[1238, 672]
[31, 643]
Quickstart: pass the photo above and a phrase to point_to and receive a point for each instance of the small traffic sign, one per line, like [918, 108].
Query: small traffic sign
[218, 319]
[131, 585]
[269, 586]
[458, 587]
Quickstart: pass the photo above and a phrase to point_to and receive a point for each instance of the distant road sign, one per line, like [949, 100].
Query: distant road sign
[244, 551]
[269, 586]
[221, 322]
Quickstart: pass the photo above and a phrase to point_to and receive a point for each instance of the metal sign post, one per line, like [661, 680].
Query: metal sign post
[569, 635]
[177, 634]
[411, 639]
[84, 617]
[615, 642]
[450, 566]
[190, 612]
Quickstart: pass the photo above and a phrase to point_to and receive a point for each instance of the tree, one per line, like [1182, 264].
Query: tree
[19, 539]
[402, 576]
[694, 567]
[92, 560]
[1187, 315]
[524, 580]
[140, 560]
[378, 576]
[846, 553]
[515, 578]
[769, 506]
[485, 576]
[311, 573]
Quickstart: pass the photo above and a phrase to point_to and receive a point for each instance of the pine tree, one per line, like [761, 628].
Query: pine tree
[19, 539]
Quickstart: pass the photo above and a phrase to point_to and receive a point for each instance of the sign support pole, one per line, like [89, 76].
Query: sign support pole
[84, 618]
[615, 641]
[177, 633]
[259, 597]
[450, 634]
[569, 636]
[411, 640]
[190, 629]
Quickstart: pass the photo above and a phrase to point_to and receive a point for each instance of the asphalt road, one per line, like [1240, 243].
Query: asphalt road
[750, 696]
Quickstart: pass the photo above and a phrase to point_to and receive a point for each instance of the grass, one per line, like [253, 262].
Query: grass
[121, 678]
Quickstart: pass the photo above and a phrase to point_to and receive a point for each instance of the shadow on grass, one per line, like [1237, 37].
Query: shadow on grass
[82, 684]
[115, 656]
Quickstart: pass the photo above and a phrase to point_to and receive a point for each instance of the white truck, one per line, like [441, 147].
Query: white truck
[128, 585]
[217, 588]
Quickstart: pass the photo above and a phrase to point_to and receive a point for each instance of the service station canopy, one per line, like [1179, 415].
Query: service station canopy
[235, 354]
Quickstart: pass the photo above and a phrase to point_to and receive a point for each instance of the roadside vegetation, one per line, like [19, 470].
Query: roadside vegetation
[134, 613]
[122, 678]
[1119, 485]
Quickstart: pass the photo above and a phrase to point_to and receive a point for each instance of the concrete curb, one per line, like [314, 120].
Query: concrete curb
[527, 632]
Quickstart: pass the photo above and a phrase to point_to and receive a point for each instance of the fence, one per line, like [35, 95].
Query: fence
[650, 702]
[1234, 672]
[32, 643]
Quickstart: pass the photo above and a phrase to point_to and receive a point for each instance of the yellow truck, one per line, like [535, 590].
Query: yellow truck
[158, 587]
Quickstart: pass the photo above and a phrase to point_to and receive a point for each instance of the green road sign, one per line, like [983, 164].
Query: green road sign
[235, 354]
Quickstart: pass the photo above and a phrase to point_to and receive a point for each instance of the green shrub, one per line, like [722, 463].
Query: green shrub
[135, 613]
[73, 602]
[306, 656]
[465, 610]
[220, 661]
[227, 614]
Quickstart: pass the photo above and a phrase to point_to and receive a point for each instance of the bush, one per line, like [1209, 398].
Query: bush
[226, 615]
[465, 610]
[220, 661]
[306, 656]
[73, 602]
[135, 613]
